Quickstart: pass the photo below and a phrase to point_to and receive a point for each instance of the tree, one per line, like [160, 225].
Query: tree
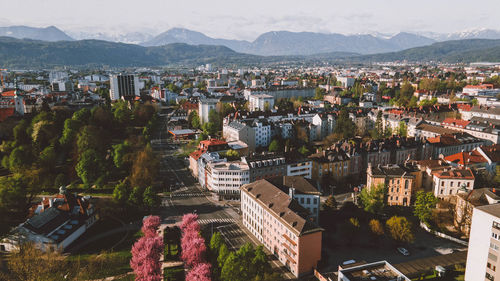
[214, 118]
[146, 252]
[274, 146]
[223, 254]
[373, 198]
[144, 168]
[89, 137]
[14, 196]
[20, 158]
[402, 129]
[121, 112]
[330, 204]
[424, 204]
[319, 93]
[194, 120]
[122, 155]
[376, 227]
[379, 127]
[70, 131]
[216, 242]
[201, 272]
[231, 269]
[304, 150]
[400, 229]
[21, 137]
[135, 197]
[89, 166]
[150, 198]
[232, 155]
[121, 192]
[344, 127]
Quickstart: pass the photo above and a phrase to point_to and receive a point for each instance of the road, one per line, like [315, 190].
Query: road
[187, 197]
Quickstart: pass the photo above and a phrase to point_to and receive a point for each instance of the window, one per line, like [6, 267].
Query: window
[442, 183]
[308, 200]
[301, 200]
[315, 201]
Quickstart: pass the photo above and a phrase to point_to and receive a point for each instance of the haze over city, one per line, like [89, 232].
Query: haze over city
[246, 20]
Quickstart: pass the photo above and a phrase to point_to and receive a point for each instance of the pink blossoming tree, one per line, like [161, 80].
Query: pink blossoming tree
[194, 249]
[201, 272]
[146, 252]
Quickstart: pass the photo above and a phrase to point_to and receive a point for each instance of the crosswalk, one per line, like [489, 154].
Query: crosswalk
[217, 221]
[195, 194]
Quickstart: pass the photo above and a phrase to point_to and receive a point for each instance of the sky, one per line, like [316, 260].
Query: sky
[233, 19]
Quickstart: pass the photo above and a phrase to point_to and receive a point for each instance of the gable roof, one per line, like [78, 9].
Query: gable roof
[284, 208]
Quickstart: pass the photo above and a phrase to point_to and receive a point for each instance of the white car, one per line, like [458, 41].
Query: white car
[348, 262]
[403, 251]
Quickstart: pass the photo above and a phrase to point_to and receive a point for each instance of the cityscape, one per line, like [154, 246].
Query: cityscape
[233, 142]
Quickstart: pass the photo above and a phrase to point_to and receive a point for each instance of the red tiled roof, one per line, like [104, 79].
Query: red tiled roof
[455, 122]
[207, 143]
[464, 158]
[189, 105]
[197, 154]
[444, 139]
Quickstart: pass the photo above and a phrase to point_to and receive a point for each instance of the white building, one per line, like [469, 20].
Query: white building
[57, 223]
[450, 182]
[204, 108]
[260, 102]
[484, 244]
[262, 133]
[123, 87]
[226, 178]
[346, 81]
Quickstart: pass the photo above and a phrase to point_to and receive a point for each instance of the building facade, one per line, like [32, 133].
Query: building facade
[123, 87]
[280, 223]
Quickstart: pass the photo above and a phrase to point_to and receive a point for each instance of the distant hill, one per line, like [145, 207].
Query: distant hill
[279, 43]
[50, 33]
[469, 50]
[33, 53]
[26, 53]
[182, 35]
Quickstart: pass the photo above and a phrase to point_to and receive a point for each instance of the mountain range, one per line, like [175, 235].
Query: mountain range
[274, 43]
[284, 43]
[50, 33]
[27, 53]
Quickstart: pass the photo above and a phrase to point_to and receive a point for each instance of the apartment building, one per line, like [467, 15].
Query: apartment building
[226, 178]
[260, 102]
[448, 144]
[281, 224]
[483, 261]
[123, 87]
[401, 181]
[303, 191]
[451, 181]
[204, 107]
[267, 165]
[467, 201]
[331, 162]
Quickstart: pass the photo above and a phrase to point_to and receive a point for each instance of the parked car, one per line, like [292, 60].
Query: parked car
[348, 262]
[403, 251]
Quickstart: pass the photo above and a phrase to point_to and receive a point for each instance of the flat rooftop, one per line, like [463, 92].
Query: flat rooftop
[379, 271]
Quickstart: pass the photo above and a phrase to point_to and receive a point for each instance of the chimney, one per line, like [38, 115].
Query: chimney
[43, 204]
[51, 202]
[291, 192]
